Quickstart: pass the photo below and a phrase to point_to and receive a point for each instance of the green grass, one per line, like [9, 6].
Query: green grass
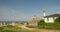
[10, 28]
[55, 25]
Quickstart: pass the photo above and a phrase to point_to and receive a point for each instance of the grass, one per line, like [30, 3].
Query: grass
[10, 28]
[55, 25]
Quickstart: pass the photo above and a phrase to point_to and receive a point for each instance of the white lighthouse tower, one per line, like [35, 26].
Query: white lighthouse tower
[44, 12]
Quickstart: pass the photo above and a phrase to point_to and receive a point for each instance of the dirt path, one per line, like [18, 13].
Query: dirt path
[24, 27]
[39, 30]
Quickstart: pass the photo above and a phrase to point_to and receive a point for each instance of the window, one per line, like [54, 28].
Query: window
[53, 18]
[47, 19]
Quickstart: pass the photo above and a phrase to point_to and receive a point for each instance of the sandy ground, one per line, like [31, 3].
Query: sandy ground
[39, 30]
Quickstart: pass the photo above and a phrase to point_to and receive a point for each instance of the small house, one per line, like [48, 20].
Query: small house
[51, 18]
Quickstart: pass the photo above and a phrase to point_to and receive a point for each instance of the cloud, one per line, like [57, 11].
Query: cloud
[8, 14]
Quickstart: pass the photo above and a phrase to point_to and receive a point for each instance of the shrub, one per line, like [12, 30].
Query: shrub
[57, 20]
[1, 28]
[44, 25]
[10, 26]
[41, 24]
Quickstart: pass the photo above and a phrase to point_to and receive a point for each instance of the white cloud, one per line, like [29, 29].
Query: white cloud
[8, 14]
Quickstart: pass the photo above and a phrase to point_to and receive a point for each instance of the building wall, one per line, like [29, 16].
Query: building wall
[50, 19]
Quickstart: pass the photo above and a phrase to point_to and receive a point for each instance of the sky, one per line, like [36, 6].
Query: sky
[23, 10]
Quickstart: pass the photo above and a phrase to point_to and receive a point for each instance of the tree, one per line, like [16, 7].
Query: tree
[57, 19]
[41, 24]
[41, 21]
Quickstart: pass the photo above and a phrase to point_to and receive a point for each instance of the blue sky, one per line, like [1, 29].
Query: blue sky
[23, 10]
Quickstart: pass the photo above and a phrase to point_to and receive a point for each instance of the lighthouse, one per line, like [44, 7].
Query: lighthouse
[44, 12]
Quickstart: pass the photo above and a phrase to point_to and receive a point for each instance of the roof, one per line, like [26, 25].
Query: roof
[53, 15]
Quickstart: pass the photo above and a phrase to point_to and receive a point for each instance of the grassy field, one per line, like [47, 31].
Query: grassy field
[10, 28]
[55, 25]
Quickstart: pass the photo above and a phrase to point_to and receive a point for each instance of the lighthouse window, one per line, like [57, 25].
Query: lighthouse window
[47, 19]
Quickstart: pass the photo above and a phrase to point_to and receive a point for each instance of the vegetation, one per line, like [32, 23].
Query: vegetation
[57, 20]
[41, 25]
[10, 28]
[55, 25]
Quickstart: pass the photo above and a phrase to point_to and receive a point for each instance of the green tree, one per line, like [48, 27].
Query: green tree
[41, 24]
[57, 19]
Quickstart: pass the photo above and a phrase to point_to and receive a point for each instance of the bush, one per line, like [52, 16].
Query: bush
[44, 25]
[1, 28]
[41, 24]
[57, 20]
[9, 26]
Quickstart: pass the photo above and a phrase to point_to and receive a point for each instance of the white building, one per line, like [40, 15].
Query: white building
[51, 18]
